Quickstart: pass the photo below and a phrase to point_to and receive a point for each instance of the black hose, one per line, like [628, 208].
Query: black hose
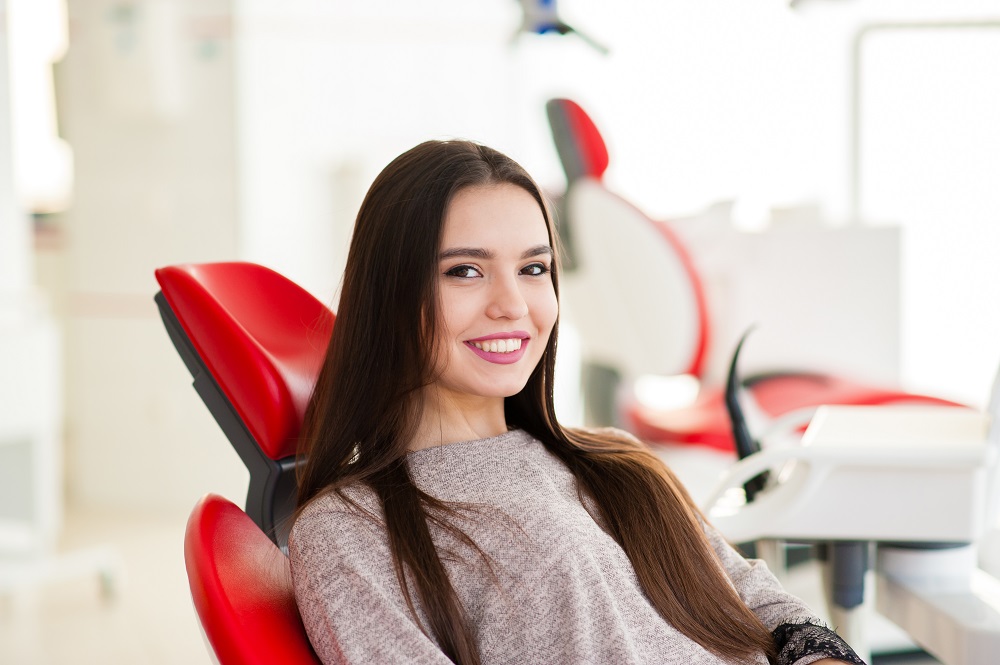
[746, 445]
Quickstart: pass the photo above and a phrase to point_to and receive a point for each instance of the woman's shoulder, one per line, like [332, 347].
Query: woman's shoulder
[334, 515]
[355, 499]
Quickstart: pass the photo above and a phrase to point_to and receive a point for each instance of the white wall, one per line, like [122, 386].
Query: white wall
[931, 160]
[328, 93]
[146, 102]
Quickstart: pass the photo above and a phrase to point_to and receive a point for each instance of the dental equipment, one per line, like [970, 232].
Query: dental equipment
[917, 483]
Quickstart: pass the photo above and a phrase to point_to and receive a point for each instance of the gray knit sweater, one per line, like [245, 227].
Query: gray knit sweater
[561, 589]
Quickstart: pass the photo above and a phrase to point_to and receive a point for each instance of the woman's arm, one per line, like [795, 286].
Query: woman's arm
[799, 635]
[348, 595]
[809, 643]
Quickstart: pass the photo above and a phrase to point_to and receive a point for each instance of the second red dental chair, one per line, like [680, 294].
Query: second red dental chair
[612, 246]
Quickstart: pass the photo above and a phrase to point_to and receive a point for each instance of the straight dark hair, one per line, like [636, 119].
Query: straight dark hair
[366, 406]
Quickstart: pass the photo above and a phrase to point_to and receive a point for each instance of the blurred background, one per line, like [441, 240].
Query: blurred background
[140, 133]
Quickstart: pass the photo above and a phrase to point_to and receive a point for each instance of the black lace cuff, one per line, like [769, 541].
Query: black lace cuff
[798, 640]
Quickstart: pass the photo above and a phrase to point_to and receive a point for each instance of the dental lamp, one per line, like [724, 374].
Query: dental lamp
[542, 17]
[916, 484]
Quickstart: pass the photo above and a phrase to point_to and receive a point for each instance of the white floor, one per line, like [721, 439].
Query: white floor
[148, 620]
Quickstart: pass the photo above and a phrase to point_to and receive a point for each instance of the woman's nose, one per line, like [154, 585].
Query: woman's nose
[506, 300]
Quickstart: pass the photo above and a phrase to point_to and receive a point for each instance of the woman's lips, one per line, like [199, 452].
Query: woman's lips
[500, 341]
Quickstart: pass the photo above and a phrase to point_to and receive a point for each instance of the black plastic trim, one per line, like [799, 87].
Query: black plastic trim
[271, 495]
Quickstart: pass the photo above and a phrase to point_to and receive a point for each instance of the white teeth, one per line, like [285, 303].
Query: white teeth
[499, 345]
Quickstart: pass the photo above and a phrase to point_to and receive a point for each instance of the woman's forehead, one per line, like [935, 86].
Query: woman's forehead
[503, 214]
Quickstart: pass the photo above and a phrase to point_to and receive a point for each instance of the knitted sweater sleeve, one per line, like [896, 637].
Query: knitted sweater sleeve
[347, 592]
[800, 637]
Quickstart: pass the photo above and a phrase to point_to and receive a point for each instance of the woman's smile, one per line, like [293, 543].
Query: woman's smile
[503, 350]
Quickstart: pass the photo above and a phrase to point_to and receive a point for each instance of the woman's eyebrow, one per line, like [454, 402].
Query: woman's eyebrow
[537, 250]
[486, 254]
[466, 252]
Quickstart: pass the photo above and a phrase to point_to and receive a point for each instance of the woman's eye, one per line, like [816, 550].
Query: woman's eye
[464, 272]
[535, 269]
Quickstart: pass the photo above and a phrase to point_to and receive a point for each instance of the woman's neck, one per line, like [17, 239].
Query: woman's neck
[448, 419]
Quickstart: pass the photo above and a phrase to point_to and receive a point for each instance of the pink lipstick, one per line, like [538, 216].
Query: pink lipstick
[500, 357]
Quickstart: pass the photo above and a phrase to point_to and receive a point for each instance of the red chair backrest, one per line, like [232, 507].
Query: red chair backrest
[580, 145]
[254, 342]
[261, 336]
[242, 590]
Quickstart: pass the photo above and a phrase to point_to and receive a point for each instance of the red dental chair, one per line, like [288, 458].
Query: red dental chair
[253, 342]
[613, 246]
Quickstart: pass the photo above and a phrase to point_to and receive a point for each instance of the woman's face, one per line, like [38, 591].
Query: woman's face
[497, 304]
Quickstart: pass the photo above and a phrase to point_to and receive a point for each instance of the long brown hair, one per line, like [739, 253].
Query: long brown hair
[366, 405]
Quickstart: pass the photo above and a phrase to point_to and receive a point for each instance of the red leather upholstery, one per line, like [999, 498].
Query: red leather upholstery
[265, 363]
[241, 586]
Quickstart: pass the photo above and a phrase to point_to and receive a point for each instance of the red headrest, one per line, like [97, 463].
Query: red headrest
[578, 142]
[262, 337]
[242, 590]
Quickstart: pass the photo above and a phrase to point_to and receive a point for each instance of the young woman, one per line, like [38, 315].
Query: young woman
[445, 515]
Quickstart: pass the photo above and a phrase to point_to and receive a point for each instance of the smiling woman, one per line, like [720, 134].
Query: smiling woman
[445, 514]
